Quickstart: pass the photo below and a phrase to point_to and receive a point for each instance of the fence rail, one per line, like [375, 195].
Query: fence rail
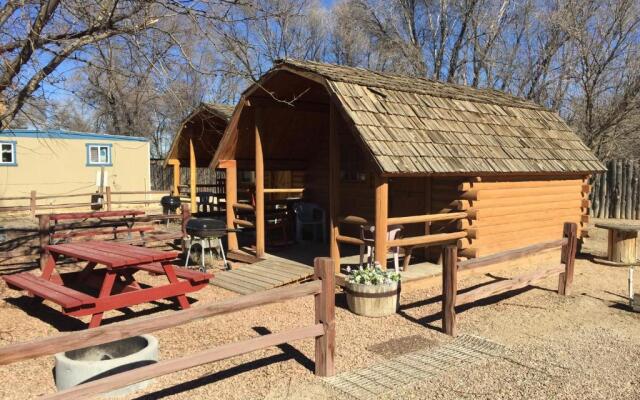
[616, 193]
[322, 329]
[162, 178]
[97, 200]
[451, 267]
[410, 241]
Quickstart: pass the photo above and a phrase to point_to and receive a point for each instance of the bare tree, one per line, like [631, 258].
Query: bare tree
[254, 35]
[38, 37]
[607, 107]
[141, 65]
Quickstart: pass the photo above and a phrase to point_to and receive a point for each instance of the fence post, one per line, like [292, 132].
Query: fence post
[108, 193]
[325, 308]
[449, 288]
[32, 203]
[568, 258]
[44, 236]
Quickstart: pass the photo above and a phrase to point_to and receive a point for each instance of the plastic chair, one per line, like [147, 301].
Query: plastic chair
[310, 214]
[367, 234]
[205, 202]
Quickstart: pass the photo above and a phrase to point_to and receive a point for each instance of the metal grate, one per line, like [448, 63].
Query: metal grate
[409, 369]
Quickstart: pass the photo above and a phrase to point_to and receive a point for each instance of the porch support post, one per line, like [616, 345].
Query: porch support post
[175, 188]
[334, 187]
[231, 198]
[259, 184]
[427, 210]
[192, 176]
[382, 213]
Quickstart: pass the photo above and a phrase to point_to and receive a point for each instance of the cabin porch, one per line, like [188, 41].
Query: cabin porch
[295, 263]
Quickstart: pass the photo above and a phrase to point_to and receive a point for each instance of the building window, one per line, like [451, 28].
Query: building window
[8, 153]
[99, 154]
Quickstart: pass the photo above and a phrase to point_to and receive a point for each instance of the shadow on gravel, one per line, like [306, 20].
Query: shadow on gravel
[288, 353]
[430, 320]
[66, 323]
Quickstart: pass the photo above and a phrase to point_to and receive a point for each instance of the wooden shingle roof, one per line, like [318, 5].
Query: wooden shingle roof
[420, 126]
[204, 111]
[222, 110]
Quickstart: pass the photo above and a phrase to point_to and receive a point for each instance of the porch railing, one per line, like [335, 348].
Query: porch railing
[411, 241]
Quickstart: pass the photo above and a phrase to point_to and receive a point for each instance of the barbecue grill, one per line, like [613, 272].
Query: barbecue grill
[206, 230]
[170, 204]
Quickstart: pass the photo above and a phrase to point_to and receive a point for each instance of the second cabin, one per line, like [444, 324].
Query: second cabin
[397, 164]
[191, 153]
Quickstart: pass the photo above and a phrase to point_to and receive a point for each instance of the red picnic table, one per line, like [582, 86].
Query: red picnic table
[116, 282]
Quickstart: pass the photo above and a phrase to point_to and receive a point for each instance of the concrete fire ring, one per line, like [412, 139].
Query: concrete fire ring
[84, 365]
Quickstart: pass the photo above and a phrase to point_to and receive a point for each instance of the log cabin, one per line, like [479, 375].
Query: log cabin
[450, 163]
[195, 143]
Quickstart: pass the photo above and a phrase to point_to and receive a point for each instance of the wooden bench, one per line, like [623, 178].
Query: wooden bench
[110, 231]
[183, 273]
[152, 237]
[64, 296]
[89, 225]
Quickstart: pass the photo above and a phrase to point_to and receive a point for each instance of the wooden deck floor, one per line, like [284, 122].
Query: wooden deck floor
[263, 275]
[295, 263]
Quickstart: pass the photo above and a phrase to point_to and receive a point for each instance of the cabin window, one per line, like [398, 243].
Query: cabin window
[8, 153]
[99, 154]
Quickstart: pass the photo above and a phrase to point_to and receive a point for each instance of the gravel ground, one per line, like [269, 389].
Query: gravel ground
[586, 345]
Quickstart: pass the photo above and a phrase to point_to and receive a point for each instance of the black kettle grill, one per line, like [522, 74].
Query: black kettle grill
[206, 230]
[170, 204]
[206, 227]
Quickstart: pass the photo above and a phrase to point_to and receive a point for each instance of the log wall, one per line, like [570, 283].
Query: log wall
[519, 212]
[616, 193]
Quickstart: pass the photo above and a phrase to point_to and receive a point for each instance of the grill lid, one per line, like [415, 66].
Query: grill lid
[206, 227]
[170, 201]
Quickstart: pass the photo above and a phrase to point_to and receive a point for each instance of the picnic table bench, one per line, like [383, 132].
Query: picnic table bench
[95, 223]
[116, 283]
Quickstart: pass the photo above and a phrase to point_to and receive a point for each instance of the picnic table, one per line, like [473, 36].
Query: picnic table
[115, 283]
[622, 243]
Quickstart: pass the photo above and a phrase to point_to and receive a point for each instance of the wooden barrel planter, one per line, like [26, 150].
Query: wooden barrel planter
[372, 300]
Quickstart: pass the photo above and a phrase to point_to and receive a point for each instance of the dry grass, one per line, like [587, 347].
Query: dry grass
[586, 345]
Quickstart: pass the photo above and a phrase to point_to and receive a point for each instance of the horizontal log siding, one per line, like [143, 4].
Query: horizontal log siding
[523, 216]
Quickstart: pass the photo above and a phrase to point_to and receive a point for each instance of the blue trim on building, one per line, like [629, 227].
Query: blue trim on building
[15, 154]
[99, 164]
[58, 134]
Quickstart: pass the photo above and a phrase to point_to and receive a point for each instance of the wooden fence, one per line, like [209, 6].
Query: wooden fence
[94, 200]
[323, 330]
[162, 178]
[616, 193]
[451, 297]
